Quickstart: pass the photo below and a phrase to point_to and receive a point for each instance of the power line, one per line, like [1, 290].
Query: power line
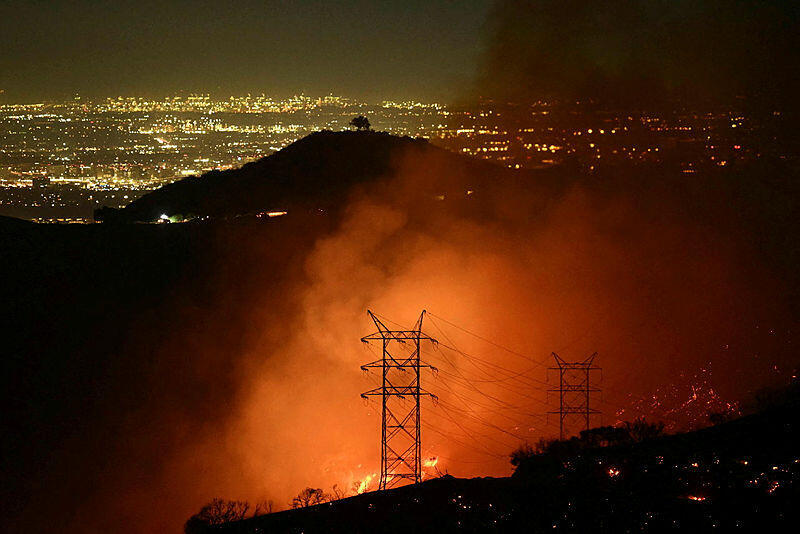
[489, 341]
[616, 407]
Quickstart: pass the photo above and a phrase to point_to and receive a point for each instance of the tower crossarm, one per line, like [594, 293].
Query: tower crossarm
[398, 335]
[378, 364]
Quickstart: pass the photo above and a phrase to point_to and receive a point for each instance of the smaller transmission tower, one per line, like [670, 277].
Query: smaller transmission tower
[400, 364]
[574, 388]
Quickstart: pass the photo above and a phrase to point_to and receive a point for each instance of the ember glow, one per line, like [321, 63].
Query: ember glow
[365, 483]
[685, 402]
[430, 467]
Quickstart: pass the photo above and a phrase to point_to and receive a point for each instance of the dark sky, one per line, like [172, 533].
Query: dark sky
[631, 52]
[365, 49]
[624, 51]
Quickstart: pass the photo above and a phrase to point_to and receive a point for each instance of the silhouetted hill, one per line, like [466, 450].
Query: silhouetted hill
[314, 173]
[740, 475]
[12, 223]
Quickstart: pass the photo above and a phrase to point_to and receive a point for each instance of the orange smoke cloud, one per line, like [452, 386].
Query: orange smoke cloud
[649, 291]
[617, 268]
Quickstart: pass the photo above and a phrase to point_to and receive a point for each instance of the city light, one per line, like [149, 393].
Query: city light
[62, 160]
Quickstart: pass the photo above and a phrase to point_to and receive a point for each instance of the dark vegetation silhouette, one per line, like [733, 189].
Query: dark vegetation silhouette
[737, 475]
[310, 497]
[360, 123]
[216, 512]
[220, 511]
[624, 434]
[339, 493]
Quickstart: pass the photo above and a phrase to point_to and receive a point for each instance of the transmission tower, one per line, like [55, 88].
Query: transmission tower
[400, 370]
[574, 388]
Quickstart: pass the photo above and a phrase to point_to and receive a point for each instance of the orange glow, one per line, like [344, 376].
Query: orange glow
[583, 275]
[365, 482]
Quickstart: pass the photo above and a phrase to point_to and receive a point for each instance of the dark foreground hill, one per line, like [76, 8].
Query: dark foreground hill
[742, 475]
[314, 173]
[10, 224]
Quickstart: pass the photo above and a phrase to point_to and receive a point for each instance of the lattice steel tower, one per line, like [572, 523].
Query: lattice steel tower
[400, 367]
[574, 388]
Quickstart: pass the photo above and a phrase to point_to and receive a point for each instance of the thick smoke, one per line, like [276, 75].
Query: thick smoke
[241, 378]
[628, 274]
[642, 52]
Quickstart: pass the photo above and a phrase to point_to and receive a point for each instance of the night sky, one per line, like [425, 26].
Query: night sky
[362, 49]
[646, 52]
[452, 51]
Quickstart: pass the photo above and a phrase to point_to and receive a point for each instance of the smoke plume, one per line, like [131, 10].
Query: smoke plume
[643, 52]
[624, 270]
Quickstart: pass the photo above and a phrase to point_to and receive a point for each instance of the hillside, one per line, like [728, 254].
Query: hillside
[314, 173]
[127, 347]
[743, 474]
[10, 224]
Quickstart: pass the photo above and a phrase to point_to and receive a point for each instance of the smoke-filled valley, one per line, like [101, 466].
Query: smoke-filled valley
[151, 368]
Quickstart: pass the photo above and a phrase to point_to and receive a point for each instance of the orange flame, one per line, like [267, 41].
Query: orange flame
[364, 484]
[430, 462]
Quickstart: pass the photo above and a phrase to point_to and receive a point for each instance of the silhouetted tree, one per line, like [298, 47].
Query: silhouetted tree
[604, 436]
[524, 452]
[196, 525]
[216, 512]
[717, 418]
[360, 123]
[310, 497]
[338, 493]
[263, 507]
[640, 430]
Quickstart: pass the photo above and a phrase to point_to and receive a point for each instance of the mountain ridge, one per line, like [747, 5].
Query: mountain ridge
[313, 173]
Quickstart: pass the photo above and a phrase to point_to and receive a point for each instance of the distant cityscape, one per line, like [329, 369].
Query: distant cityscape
[61, 160]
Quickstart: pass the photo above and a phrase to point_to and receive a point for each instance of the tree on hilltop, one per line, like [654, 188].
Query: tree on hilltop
[360, 123]
[217, 512]
[310, 497]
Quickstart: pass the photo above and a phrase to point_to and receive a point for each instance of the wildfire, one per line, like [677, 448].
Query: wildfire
[686, 402]
[430, 462]
[364, 484]
[271, 214]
